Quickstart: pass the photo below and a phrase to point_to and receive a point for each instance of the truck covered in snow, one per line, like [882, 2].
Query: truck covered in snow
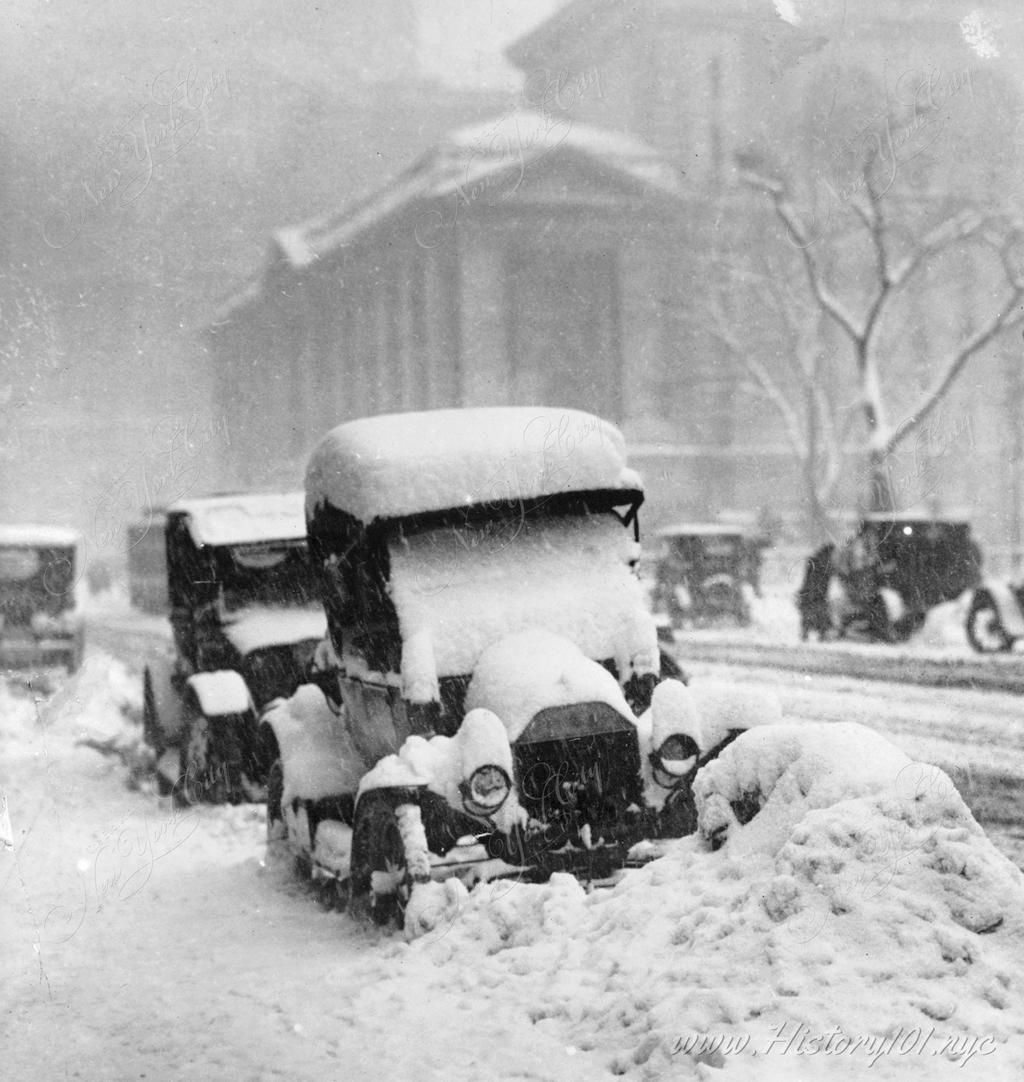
[40, 623]
[484, 697]
[246, 621]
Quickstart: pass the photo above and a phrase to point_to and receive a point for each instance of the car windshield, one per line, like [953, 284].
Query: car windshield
[266, 574]
[466, 587]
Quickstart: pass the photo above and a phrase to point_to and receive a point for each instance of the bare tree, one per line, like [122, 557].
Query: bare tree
[781, 357]
[896, 257]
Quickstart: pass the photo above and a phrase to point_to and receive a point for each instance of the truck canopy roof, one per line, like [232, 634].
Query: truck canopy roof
[38, 536]
[245, 518]
[397, 465]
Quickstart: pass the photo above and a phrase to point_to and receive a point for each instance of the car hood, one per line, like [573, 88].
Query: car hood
[258, 627]
[531, 671]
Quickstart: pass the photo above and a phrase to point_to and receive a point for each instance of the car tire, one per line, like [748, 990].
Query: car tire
[985, 631]
[378, 850]
[277, 829]
[202, 777]
[151, 730]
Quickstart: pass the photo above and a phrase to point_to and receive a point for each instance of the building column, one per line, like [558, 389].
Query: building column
[481, 301]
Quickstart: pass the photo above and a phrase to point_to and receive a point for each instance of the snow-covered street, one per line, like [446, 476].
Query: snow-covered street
[144, 941]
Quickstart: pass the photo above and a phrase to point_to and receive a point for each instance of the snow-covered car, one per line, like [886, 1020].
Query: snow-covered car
[39, 619]
[246, 617]
[705, 573]
[484, 698]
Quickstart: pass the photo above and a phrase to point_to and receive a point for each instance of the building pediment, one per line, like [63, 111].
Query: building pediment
[518, 158]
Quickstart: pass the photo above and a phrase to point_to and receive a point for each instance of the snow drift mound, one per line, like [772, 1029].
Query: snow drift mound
[853, 912]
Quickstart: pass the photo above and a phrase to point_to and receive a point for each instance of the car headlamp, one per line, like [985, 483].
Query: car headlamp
[487, 789]
[675, 759]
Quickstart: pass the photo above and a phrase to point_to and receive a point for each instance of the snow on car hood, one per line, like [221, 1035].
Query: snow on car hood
[259, 626]
[535, 670]
[460, 591]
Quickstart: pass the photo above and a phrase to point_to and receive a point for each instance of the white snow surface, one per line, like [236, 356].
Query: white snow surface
[260, 626]
[141, 940]
[245, 518]
[568, 575]
[403, 464]
[523, 674]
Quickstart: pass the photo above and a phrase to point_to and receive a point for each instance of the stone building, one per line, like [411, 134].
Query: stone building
[570, 250]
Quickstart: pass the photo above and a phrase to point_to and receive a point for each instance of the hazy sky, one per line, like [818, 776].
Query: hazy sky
[461, 41]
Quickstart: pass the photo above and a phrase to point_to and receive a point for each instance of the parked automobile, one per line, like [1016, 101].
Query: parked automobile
[482, 699]
[39, 620]
[246, 621]
[881, 582]
[706, 572]
[147, 562]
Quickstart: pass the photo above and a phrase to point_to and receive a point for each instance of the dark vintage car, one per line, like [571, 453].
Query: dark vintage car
[705, 573]
[490, 658]
[882, 581]
[246, 621]
[147, 562]
[39, 621]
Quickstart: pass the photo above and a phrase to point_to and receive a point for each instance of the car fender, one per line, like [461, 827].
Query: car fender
[221, 693]
[314, 745]
[1004, 598]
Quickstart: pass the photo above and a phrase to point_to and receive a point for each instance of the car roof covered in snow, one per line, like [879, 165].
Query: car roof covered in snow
[409, 463]
[56, 536]
[244, 518]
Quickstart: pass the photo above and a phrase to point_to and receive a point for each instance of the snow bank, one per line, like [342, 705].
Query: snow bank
[872, 926]
[570, 576]
[778, 774]
[403, 464]
[532, 671]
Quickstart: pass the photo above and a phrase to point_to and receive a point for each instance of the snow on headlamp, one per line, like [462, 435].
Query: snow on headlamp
[486, 790]
[676, 757]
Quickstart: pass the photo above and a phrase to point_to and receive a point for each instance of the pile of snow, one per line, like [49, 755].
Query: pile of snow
[869, 923]
[779, 774]
[404, 464]
[523, 674]
[946, 624]
[570, 576]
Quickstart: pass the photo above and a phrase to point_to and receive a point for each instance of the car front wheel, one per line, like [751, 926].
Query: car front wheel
[388, 850]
